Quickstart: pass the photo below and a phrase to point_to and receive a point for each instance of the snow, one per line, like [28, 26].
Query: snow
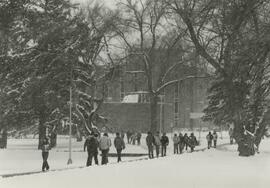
[196, 115]
[131, 98]
[22, 155]
[219, 168]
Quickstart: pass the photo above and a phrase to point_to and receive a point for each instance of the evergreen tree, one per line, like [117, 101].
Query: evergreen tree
[58, 49]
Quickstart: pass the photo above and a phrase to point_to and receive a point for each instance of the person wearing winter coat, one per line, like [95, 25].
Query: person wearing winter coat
[139, 136]
[157, 143]
[150, 144]
[133, 138]
[119, 145]
[181, 143]
[91, 143]
[193, 141]
[215, 137]
[129, 136]
[231, 135]
[186, 141]
[175, 144]
[164, 143]
[45, 146]
[209, 139]
[104, 146]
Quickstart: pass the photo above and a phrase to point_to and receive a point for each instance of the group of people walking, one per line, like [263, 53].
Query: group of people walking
[211, 138]
[133, 137]
[93, 143]
[156, 142]
[184, 141]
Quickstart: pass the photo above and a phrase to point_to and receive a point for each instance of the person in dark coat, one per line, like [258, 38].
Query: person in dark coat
[150, 145]
[186, 141]
[139, 136]
[181, 143]
[193, 141]
[209, 139]
[164, 143]
[91, 143]
[45, 146]
[231, 135]
[128, 136]
[133, 138]
[119, 145]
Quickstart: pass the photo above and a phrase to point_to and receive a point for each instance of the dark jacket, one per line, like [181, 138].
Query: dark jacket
[186, 139]
[209, 137]
[164, 140]
[149, 140]
[91, 143]
[139, 135]
[119, 143]
[45, 145]
[181, 139]
[193, 141]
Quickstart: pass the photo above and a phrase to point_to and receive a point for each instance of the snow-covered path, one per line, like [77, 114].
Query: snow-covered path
[22, 156]
[211, 168]
[215, 168]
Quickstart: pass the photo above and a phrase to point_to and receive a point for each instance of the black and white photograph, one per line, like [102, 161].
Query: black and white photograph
[134, 93]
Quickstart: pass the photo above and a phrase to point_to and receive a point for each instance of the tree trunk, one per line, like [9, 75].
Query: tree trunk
[153, 112]
[41, 132]
[244, 140]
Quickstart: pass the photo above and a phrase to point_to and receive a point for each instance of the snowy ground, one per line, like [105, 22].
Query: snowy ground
[22, 154]
[219, 167]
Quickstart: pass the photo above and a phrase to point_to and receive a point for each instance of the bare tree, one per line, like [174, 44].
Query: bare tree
[230, 36]
[146, 31]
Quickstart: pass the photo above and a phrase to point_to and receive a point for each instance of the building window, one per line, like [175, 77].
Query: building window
[122, 86]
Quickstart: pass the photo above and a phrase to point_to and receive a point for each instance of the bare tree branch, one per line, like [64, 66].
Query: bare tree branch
[179, 80]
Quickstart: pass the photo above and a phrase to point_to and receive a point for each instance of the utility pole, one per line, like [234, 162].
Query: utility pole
[70, 125]
[70, 115]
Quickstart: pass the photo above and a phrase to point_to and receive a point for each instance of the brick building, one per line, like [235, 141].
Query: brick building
[182, 103]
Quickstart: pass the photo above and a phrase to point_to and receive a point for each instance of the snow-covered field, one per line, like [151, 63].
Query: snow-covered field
[219, 167]
[22, 155]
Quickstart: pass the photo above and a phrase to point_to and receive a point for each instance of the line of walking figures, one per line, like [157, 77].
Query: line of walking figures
[154, 141]
[93, 143]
